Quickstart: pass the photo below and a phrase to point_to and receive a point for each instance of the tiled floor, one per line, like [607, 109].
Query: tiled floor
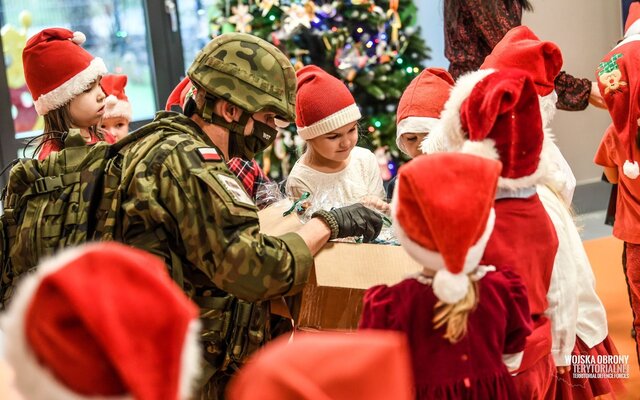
[591, 225]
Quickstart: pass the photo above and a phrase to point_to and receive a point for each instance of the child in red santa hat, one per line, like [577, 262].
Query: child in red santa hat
[327, 119]
[248, 172]
[64, 81]
[619, 150]
[102, 321]
[418, 111]
[117, 113]
[502, 107]
[322, 366]
[578, 318]
[444, 216]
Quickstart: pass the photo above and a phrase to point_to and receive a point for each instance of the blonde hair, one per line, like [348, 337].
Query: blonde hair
[455, 316]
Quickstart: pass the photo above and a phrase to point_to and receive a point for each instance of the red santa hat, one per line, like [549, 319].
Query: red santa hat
[117, 103]
[447, 229]
[619, 83]
[521, 49]
[102, 321]
[57, 69]
[422, 102]
[502, 120]
[632, 25]
[180, 94]
[372, 365]
[323, 103]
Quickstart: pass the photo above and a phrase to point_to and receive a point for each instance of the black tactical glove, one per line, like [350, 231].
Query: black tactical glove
[353, 220]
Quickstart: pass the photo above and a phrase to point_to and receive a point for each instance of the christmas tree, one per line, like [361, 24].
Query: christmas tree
[374, 46]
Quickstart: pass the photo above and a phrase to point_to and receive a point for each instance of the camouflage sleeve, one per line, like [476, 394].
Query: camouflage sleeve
[203, 206]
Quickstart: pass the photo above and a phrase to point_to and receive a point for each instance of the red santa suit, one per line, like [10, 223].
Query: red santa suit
[499, 112]
[446, 231]
[578, 318]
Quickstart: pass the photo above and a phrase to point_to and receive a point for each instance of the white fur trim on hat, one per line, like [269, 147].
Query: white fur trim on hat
[447, 134]
[330, 123]
[190, 360]
[116, 108]
[71, 88]
[485, 148]
[631, 169]
[413, 125]
[432, 259]
[33, 379]
[634, 29]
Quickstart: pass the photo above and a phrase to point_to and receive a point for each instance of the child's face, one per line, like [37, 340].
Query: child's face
[118, 127]
[87, 108]
[336, 145]
[410, 142]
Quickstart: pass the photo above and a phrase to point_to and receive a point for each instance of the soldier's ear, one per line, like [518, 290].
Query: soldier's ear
[228, 111]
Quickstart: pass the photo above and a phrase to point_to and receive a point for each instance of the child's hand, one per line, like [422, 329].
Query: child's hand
[562, 370]
[377, 204]
[595, 98]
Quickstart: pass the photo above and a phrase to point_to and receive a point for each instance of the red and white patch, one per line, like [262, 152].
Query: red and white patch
[209, 154]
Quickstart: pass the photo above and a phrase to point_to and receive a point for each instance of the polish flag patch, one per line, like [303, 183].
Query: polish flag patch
[209, 154]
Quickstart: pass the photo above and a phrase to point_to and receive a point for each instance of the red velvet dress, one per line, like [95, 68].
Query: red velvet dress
[524, 240]
[471, 368]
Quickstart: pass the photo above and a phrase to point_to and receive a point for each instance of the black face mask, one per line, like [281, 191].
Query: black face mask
[248, 146]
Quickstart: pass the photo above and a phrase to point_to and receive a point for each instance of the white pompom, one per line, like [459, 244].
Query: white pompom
[111, 100]
[450, 288]
[631, 169]
[78, 38]
[484, 148]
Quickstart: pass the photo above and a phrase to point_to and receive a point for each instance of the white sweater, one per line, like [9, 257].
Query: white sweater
[361, 178]
[574, 307]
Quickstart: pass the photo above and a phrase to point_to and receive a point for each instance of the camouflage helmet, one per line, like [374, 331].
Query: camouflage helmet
[248, 72]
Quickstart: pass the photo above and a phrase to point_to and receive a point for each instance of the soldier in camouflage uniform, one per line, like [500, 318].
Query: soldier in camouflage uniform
[182, 203]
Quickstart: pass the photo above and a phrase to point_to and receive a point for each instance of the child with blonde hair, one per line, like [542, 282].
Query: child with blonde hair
[327, 119]
[466, 323]
[64, 81]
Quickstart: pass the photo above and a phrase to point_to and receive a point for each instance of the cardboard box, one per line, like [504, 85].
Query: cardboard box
[332, 299]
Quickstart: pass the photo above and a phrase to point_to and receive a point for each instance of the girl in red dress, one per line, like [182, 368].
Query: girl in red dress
[466, 323]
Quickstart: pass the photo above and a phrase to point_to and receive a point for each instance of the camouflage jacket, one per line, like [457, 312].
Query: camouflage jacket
[183, 198]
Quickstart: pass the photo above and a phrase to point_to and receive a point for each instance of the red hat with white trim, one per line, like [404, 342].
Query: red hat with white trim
[422, 102]
[502, 120]
[117, 103]
[520, 48]
[103, 320]
[447, 229]
[632, 25]
[323, 103]
[57, 69]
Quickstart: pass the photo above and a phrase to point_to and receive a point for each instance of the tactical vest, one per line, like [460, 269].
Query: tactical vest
[75, 196]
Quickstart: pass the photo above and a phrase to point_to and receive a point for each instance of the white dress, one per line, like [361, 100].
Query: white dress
[361, 178]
